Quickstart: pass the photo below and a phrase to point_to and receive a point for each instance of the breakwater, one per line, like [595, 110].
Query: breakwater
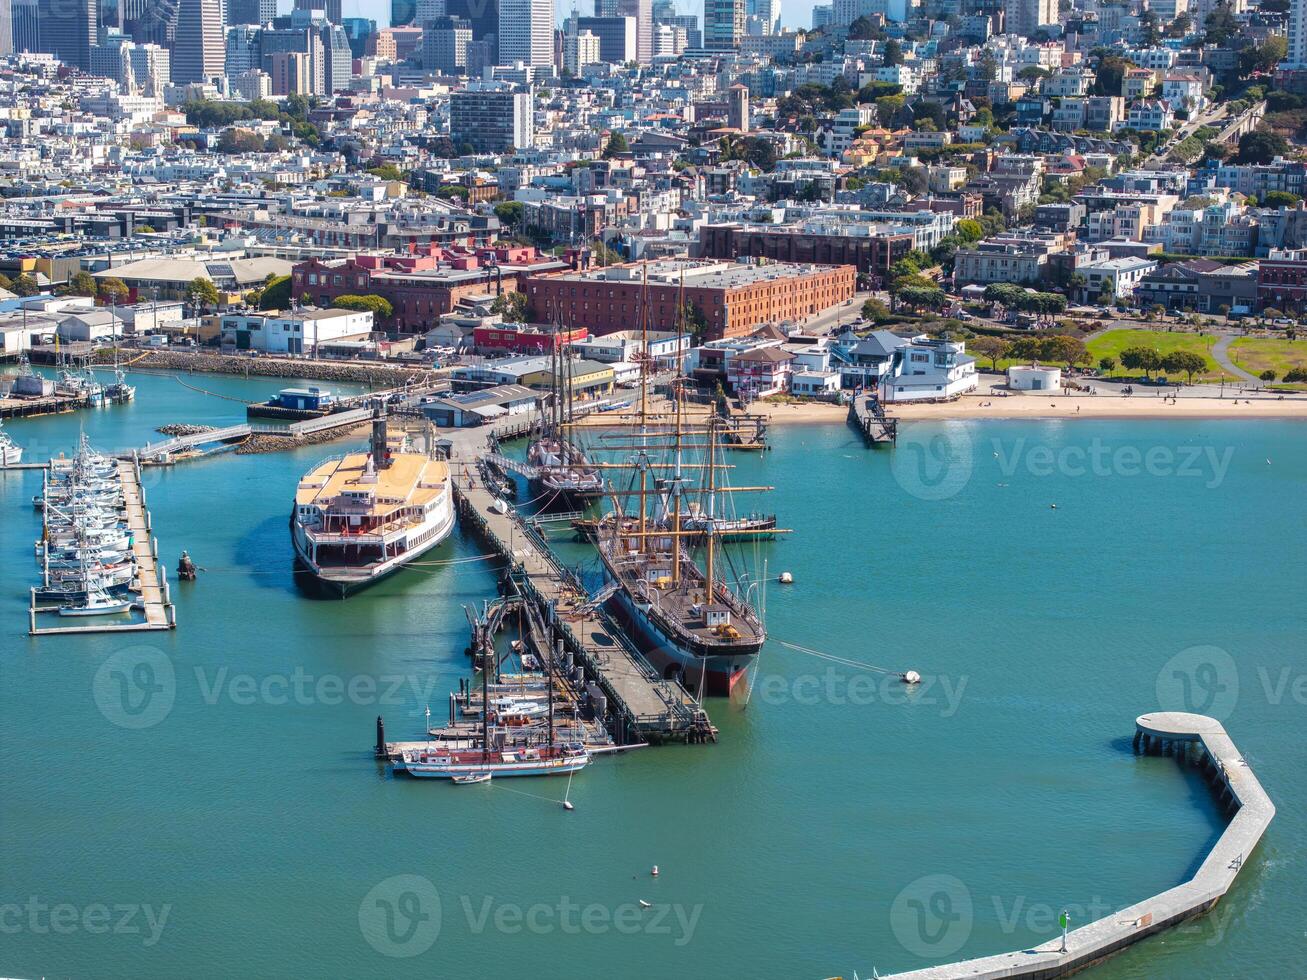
[1192, 739]
[381, 375]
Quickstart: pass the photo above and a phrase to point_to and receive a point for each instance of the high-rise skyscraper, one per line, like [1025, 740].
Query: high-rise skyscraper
[6, 27]
[199, 44]
[26, 25]
[526, 32]
[1025, 17]
[68, 29]
[251, 11]
[332, 8]
[723, 24]
[642, 11]
[483, 17]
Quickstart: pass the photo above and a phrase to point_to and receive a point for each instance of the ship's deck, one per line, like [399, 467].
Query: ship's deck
[411, 479]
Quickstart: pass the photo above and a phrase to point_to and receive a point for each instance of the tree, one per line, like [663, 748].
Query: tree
[694, 322]
[25, 285]
[923, 297]
[993, 348]
[1110, 73]
[1144, 359]
[1279, 199]
[1184, 361]
[1220, 25]
[969, 230]
[1031, 74]
[1268, 375]
[1263, 57]
[1296, 375]
[378, 306]
[387, 171]
[512, 306]
[1107, 364]
[275, 294]
[1065, 350]
[874, 310]
[81, 283]
[201, 292]
[862, 29]
[893, 54]
[1261, 146]
[113, 290]
[616, 145]
[510, 213]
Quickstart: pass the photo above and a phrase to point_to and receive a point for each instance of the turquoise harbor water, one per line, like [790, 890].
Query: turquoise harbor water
[228, 817]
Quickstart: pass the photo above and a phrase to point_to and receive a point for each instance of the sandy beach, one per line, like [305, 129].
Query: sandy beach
[1114, 406]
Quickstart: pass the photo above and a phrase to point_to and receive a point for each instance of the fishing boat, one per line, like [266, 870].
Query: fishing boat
[361, 516]
[97, 603]
[11, 454]
[119, 391]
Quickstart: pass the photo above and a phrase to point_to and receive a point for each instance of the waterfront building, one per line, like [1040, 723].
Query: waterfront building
[297, 332]
[926, 369]
[730, 299]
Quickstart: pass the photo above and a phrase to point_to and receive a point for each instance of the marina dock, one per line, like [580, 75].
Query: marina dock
[641, 705]
[19, 408]
[157, 608]
[1191, 739]
[867, 415]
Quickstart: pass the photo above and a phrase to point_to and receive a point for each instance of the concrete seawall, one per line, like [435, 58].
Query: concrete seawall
[1237, 791]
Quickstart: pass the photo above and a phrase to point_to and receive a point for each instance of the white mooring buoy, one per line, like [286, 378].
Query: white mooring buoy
[911, 677]
[567, 805]
[654, 872]
[786, 578]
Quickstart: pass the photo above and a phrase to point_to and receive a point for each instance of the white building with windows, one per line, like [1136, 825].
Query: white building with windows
[929, 370]
[1113, 277]
[298, 332]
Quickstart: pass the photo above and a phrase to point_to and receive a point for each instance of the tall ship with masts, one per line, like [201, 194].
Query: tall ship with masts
[564, 472]
[361, 516]
[689, 621]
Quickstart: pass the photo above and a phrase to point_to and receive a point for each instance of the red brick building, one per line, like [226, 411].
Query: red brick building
[521, 339]
[422, 283]
[871, 255]
[1282, 280]
[733, 299]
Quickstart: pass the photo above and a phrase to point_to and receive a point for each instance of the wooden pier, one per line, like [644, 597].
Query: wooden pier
[20, 408]
[641, 706]
[151, 580]
[867, 415]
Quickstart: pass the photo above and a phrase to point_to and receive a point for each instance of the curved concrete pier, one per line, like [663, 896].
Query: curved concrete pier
[1237, 791]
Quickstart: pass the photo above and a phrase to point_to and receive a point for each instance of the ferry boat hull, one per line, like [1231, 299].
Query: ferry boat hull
[452, 766]
[339, 582]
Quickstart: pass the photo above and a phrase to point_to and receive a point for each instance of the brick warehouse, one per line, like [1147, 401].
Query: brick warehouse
[420, 284]
[734, 299]
[871, 255]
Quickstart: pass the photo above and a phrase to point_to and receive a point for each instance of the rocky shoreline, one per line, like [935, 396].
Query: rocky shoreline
[269, 443]
[377, 375]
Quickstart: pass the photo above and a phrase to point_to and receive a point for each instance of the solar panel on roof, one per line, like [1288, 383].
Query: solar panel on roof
[218, 269]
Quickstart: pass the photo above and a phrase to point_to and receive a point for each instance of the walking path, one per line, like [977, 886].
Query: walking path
[1220, 351]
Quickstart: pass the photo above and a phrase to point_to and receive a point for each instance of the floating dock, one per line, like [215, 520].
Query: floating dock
[641, 705]
[151, 580]
[1191, 739]
[19, 408]
[867, 415]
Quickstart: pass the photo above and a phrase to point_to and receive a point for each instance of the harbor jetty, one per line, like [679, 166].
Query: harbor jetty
[868, 416]
[1192, 740]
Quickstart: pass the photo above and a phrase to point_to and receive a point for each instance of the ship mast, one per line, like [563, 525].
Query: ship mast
[712, 523]
[675, 494]
[644, 398]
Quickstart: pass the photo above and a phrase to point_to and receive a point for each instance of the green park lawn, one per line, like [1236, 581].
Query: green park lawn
[1113, 342]
[1257, 354]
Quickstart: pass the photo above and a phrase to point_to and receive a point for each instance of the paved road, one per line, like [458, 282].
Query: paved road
[1220, 351]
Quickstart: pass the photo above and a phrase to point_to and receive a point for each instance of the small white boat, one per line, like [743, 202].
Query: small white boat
[472, 777]
[11, 454]
[97, 604]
